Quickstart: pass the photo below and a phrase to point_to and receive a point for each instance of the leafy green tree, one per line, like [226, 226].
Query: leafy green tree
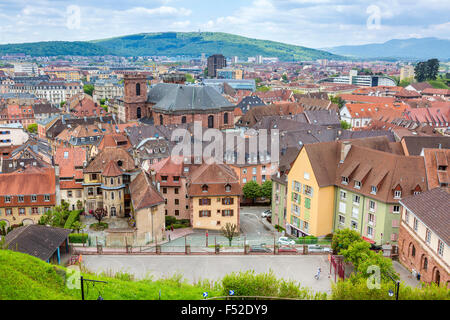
[229, 231]
[32, 128]
[189, 78]
[88, 89]
[57, 216]
[427, 70]
[337, 100]
[62, 104]
[77, 226]
[79, 205]
[345, 125]
[251, 190]
[2, 228]
[266, 189]
[343, 238]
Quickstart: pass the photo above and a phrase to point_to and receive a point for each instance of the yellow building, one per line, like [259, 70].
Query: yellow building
[214, 193]
[310, 194]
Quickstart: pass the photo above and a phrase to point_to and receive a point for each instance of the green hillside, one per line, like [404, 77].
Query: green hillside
[24, 277]
[55, 48]
[172, 44]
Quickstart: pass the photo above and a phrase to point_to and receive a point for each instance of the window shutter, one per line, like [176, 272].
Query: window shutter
[231, 200]
[209, 202]
[231, 213]
[200, 214]
[374, 220]
[223, 200]
[209, 213]
[200, 202]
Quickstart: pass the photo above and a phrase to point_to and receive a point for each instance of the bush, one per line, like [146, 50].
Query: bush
[170, 220]
[265, 285]
[99, 226]
[307, 240]
[78, 237]
[73, 216]
[357, 289]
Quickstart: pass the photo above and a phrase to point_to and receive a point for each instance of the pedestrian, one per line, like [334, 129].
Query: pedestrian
[318, 274]
[169, 237]
[171, 228]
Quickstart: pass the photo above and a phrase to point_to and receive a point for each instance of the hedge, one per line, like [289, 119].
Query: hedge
[78, 237]
[73, 216]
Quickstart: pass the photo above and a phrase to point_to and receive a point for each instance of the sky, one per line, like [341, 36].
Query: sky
[310, 23]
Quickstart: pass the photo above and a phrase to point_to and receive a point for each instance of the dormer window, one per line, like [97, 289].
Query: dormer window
[176, 179]
[442, 168]
[344, 180]
[358, 184]
[228, 188]
[204, 188]
[164, 178]
[397, 194]
[373, 190]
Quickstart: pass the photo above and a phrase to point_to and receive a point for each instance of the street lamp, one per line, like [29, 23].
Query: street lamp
[397, 286]
[82, 287]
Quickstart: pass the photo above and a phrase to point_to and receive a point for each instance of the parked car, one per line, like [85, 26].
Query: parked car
[266, 213]
[287, 249]
[318, 248]
[285, 241]
[259, 248]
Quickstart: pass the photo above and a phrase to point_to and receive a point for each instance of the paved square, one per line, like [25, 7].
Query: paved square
[193, 268]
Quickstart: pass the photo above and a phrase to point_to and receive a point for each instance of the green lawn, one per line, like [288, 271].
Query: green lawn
[438, 84]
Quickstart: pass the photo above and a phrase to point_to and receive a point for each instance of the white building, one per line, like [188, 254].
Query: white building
[12, 134]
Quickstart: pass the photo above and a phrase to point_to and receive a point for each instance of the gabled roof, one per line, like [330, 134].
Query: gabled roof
[36, 240]
[112, 170]
[216, 176]
[431, 207]
[111, 154]
[143, 193]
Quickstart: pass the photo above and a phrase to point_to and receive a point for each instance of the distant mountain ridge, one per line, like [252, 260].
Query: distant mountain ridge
[413, 48]
[172, 44]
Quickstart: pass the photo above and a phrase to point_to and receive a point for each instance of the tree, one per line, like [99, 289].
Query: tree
[343, 238]
[345, 125]
[77, 226]
[266, 189]
[189, 78]
[337, 100]
[251, 190]
[420, 72]
[99, 214]
[88, 89]
[427, 70]
[57, 216]
[229, 231]
[79, 205]
[2, 228]
[32, 128]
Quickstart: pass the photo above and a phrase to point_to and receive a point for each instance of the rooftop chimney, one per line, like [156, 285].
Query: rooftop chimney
[345, 149]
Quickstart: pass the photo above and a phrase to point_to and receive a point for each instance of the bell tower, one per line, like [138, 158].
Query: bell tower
[135, 96]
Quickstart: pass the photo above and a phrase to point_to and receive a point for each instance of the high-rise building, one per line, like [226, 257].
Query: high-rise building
[407, 72]
[217, 61]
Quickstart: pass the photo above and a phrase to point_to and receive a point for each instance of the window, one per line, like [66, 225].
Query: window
[396, 209]
[94, 176]
[440, 249]
[354, 225]
[297, 186]
[90, 191]
[21, 211]
[344, 180]
[372, 205]
[343, 195]
[20, 198]
[416, 224]
[244, 171]
[227, 213]
[397, 194]
[112, 195]
[308, 190]
[204, 188]
[356, 199]
[177, 190]
[69, 194]
[358, 184]
[428, 236]
[164, 178]
[342, 207]
[227, 201]
[8, 211]
[204, 202]
[371, 219]
[305, 226]
[228, 188]
[244, 180]
[177, 212]
[164, 190]
[176, 179]
[355, 212]
[370, 232]
[34, 211]
[112, 181]
[33, 198]
[205, 213]
[341, 220]
[177, 201]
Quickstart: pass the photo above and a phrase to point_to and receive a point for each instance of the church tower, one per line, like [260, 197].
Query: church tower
[135, 97]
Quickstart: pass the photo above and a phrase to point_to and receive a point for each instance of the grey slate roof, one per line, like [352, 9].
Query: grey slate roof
[432, 208]
[175, 98]
[416, 144]
[36, 240]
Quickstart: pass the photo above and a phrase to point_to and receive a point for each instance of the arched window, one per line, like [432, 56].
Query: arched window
[138, 112]
[161, 120]
[228, 188]
[183, 119]
[425, 264]
[112, 181]
[413, 251]
[204, 188]
[113, 211]
[138, 89]
[112, 195]
[225, 118]
[211, 122]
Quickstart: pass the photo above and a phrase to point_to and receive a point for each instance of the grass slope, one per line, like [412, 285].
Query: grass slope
[24, 277]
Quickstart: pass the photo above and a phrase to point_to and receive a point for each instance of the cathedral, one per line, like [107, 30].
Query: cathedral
[173, 102]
